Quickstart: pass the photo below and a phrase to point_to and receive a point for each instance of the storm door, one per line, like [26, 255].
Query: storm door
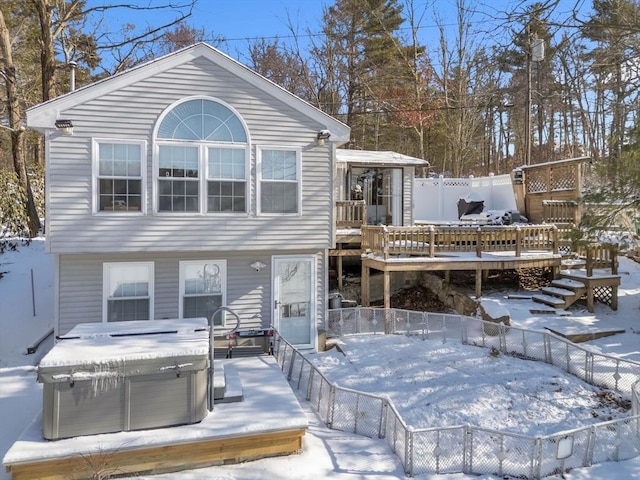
[294, 287]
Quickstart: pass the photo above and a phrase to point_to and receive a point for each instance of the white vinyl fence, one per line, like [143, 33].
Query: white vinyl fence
[467, 448]
[436, 199]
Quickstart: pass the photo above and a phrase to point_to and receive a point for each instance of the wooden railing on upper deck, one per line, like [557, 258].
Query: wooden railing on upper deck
[429, 240]
[351, 213]
[598, 255]
[560, 211]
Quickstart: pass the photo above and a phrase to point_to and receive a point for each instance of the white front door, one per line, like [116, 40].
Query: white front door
[294, 289]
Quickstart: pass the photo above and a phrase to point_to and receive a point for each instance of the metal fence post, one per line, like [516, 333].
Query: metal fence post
[291, 364]
[547, 348]
[332, 404]
[537, 459]
[408, 451]
[467, 449]
[382, 427]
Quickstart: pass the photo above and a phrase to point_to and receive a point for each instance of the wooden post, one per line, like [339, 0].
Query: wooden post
[387, 289]
[432, 241]
[339, 268]
[590, 249]
[364, 286]
[447, 277]
[478, 283]
[479, 242]
[518, 241]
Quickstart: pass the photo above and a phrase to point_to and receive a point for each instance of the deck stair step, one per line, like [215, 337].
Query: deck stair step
[550, 300]
[568, 284]
[558, 292]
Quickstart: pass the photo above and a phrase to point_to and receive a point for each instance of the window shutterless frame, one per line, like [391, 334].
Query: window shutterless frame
[119, 176]
[279, 180]
[203, 288]
[126, 286]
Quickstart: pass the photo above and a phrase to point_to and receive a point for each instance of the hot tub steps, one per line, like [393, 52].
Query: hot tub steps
[227, 387]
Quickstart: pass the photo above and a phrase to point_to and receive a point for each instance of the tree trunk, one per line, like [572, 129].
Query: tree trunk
[16, 127]
[47, 50]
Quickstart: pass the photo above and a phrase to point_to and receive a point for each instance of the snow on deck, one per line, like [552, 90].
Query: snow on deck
[263, 410]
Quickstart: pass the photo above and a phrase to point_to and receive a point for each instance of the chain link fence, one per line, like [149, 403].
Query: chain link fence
[467, 448]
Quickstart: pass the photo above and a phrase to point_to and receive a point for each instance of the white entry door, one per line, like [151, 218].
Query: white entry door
[294, 287]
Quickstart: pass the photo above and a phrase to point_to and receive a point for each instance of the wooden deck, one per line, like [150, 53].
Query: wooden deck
[263, 425]
[450, 262]
[446, 248]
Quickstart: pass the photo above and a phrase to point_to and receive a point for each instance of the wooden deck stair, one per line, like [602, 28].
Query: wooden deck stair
[562, 293]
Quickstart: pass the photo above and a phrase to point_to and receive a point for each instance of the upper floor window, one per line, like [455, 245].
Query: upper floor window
[279, 180]
[119, 175]
[202, 159]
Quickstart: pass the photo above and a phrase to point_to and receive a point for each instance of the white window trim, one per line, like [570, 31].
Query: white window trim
[155, 175]
[95, 174]
[247, 177]
[223, 275]
[106, 269]
[203, 174]
[298, 151]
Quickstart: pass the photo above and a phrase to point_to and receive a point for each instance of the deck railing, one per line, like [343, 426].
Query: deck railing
[429, 240]
[351, 213]
[598, 255]
[560, 211]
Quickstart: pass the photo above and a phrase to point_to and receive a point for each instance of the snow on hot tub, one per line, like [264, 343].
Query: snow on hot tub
[118, 376]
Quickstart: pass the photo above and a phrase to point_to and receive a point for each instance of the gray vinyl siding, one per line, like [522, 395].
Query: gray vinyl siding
[249, 293]
[132, 113]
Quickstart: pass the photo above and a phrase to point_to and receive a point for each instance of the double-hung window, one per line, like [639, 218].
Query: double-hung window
[279, 181]
[202, 155]
[178, 182]
[226, 180]
[202, 288]
[119, 175]
[128, 291]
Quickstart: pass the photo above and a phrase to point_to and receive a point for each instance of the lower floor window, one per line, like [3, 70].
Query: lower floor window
[202, 289]
[128, 290]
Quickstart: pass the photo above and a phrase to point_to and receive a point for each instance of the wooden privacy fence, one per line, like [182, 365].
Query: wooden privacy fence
[430, 240]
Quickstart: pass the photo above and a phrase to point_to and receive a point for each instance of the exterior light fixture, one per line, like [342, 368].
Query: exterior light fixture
[322, 136]
[257, 265]
[66, 126]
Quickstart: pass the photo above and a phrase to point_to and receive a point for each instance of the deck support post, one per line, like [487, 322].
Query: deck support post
[387, 289]
[447, 277]
[339, 268]
[478, 283]
[364, 285]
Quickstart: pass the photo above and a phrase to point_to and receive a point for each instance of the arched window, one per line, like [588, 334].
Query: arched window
[202, 159]
[202, 119]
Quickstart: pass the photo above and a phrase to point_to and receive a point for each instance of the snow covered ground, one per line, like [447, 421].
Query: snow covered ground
[25, 318]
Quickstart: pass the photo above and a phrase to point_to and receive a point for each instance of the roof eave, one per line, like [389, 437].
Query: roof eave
[43, 116]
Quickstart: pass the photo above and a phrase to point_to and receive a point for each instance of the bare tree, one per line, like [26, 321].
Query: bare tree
[15, 125]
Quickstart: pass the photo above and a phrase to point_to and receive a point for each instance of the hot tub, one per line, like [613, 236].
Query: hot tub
[118, 376]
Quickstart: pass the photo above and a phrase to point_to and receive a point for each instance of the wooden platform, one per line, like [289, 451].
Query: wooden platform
[269, 422]
[450, 262]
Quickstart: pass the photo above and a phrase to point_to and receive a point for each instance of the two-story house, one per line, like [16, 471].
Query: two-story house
[186, 184]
